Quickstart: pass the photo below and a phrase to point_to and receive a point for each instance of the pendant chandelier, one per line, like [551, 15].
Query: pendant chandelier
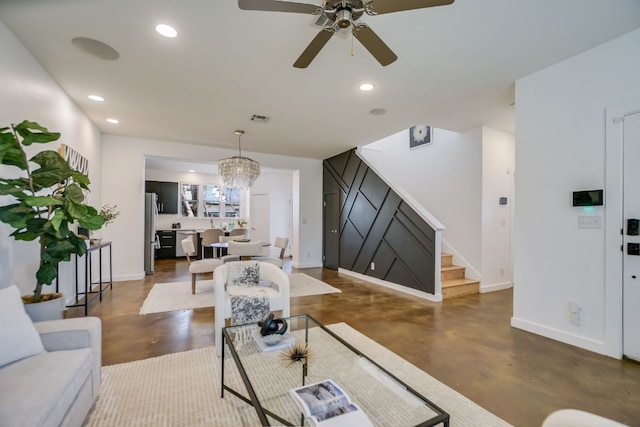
[238, 171]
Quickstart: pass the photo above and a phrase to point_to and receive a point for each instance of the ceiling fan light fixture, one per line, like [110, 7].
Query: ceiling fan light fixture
[239, 171]
[343, 18]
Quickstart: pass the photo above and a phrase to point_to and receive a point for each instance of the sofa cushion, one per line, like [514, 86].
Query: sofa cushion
[21, 339]
[41, 389]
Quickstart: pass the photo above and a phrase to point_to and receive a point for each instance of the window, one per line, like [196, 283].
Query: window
[221, 202]
[189, 198]
[211, 201]
[232, 202]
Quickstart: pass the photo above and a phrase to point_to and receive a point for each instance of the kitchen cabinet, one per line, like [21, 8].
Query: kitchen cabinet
[167, 249]
[167, 195]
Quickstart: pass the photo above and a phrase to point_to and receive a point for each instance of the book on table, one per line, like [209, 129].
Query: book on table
[327, 405]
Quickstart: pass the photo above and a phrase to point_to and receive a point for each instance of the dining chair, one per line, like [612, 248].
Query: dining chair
[242, 251]
[252, 279]
[209, 236]
[281, 243]
[197, 266]
[239, 232]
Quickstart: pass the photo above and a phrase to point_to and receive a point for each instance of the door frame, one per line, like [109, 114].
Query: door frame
[613, 302]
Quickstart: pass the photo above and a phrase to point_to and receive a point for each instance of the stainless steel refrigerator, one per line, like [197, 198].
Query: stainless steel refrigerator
[150, 236]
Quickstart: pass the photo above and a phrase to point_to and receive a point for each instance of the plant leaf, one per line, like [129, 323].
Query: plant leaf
[56, 220]
[46, 273]
[41, 135]
[16, 215]
[81, 179]
[94, 222]
[74, 193]
[53, 169]
[42, 201]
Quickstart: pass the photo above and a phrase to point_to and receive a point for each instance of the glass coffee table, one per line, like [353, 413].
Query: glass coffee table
[268, 376]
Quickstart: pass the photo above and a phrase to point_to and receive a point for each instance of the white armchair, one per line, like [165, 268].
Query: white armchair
[272, 279]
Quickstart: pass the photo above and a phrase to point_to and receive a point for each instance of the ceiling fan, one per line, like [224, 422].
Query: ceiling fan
[342, 14]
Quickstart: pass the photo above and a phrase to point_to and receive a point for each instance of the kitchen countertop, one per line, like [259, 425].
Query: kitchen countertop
[183, 230]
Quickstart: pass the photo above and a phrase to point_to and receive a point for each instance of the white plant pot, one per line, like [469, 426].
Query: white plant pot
[46, 310]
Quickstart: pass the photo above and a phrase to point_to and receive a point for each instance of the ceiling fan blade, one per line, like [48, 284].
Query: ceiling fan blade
[279, 6]
[374, 44]
[387, 6]
[314, 47]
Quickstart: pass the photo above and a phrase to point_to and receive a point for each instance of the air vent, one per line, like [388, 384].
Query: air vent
[260, 119]
[322, 22]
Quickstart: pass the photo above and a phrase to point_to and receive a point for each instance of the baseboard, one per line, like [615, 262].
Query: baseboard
[590, 344]
[126, 277]
[394, 286]
[495, 287]
[306, 265]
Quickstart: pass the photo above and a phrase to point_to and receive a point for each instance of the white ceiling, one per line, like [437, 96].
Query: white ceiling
[456, 68]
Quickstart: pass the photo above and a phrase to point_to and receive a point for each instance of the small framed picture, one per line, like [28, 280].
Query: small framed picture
[419, 135]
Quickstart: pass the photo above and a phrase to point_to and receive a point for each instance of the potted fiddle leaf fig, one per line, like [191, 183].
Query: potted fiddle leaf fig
[44, 202]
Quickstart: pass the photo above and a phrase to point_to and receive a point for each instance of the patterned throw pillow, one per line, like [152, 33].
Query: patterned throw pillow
[243, 273]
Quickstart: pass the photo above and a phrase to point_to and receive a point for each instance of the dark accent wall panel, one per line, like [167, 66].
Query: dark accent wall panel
[377, 226]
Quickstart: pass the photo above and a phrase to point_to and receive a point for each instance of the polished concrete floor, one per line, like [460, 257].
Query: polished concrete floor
[466, 343]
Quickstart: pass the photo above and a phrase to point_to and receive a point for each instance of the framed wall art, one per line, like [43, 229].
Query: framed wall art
[419, 135]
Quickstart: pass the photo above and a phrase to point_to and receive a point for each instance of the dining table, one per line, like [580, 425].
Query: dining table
[221, 248]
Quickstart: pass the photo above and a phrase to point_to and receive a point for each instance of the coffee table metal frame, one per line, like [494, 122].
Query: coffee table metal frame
[441, 418]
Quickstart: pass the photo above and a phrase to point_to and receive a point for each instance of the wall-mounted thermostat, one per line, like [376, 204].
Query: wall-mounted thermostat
[588, 198]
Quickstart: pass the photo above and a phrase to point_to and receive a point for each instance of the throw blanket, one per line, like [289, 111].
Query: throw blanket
[249, 304]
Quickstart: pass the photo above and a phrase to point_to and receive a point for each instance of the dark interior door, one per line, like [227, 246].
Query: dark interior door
[331, 231]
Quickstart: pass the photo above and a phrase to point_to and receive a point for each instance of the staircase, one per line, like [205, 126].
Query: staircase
[454, 283]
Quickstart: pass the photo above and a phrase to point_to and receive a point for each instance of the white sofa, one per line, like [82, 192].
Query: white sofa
[577, 418]
[56, 387]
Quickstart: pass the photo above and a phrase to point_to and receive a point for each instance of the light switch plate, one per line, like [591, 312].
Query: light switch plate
[590, 221]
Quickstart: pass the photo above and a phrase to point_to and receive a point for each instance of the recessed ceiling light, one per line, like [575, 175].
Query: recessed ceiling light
[114, 121]
[96, 98]
[366, 87]
[166, 30]
[191, 170]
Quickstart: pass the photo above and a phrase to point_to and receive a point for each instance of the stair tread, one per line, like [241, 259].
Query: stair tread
[458, 282]
[451, 267]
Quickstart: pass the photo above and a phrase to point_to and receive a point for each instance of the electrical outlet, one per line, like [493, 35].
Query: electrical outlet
[575, 313]
[373, 266]
[501, 271]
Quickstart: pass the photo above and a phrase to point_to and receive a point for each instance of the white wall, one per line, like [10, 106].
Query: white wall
[458, 178]
[445, 177]
[498, 161]
[560, 131]
[28, 92]
[123, 185]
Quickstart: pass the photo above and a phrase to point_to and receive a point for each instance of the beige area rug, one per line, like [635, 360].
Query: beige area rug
[178, 296]
[183, 389]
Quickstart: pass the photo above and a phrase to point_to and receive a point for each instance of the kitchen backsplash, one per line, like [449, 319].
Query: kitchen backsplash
[166, 222]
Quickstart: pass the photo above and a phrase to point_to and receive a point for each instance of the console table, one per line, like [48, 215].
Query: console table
[86, 289]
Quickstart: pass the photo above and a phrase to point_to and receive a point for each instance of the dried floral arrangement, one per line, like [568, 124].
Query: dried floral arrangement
[109, 213]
